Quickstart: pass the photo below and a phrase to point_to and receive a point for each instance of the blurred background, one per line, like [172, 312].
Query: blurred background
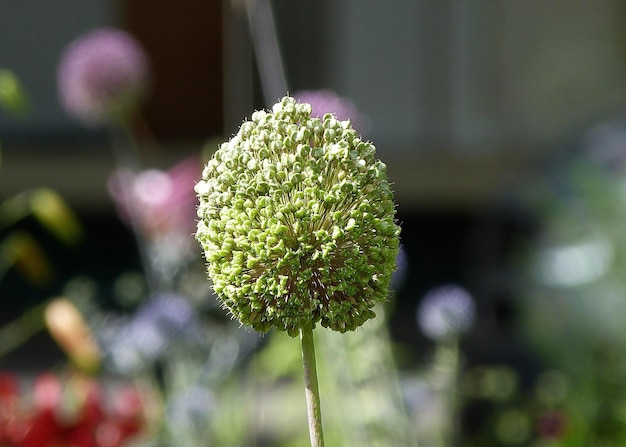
[501, 124]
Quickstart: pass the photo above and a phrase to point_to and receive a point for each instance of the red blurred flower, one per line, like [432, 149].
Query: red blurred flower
[70, 414]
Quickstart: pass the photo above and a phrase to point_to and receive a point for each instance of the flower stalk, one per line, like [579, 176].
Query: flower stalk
[311, 388]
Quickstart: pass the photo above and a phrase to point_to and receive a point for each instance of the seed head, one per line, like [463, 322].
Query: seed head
[296, 220]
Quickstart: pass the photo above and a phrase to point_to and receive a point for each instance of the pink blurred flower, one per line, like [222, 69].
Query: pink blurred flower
[102, 75]
[161, 202]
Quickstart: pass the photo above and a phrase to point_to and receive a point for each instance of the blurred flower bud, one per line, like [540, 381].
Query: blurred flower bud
[48, 207]
[52, 211]
[297, 222]
[12, 95]
[102, 76]
[446, 311]
[68, 328]
[22, 250]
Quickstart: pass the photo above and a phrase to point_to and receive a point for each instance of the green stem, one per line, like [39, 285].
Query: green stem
[310, 386]
[448, 363]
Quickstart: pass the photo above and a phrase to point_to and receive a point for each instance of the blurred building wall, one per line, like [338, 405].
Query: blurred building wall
[33, 34]
[462, 75]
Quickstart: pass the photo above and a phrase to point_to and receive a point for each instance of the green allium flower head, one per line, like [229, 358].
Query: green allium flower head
[297, 222]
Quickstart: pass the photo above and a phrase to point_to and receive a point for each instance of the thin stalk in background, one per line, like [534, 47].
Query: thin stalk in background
[19, 331]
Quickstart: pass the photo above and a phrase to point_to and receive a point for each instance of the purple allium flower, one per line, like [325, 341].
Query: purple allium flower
[102, 76]
[135, 343]
[327, 101]
[161, 320]
[446, 311]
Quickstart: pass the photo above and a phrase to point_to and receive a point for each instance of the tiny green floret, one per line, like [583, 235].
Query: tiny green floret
[297, 222]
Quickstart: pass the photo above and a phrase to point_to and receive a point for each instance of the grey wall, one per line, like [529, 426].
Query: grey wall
[461, 75]
[33, 34]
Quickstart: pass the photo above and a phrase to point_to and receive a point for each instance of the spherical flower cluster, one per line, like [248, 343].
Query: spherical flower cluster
[102, 76]
[297, 222]
[446, 311]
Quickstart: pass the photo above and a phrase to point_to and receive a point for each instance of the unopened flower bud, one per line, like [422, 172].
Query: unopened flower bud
[70, 331]
[293, 228]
